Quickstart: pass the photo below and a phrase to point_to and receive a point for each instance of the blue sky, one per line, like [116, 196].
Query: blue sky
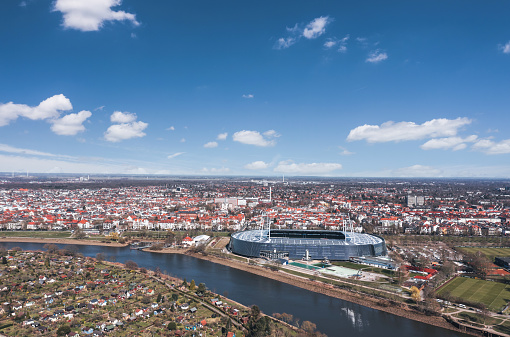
[264, 88]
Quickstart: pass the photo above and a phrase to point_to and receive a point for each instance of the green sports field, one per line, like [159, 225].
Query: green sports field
[494, 295]
[489, 252]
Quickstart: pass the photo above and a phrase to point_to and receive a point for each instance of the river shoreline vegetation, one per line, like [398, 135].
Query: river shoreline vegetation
[60, 292]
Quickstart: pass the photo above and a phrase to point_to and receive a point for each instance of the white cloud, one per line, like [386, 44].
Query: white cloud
[454, 143]
[122, 117]
[119, 132]
[248, 96]
[490, 147]
[49, 108]
[11, 149]
[222, 136]
[127, 129]
[345, 152]
[177, 154]
[342, 43]
[417, 171]
[256, 165]
[183, 140]
[376, 57]
[215, 170]
[255, 138]
[170, 128]
[210, 145]
[505, 48]
[316, 27]
[403, 131]
[330, 43]
[99, 108]
[302, 168]
[71, 124]
[284, 43]
[90, 15]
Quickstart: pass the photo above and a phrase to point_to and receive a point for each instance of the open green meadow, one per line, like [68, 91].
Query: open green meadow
[494, 295]
[36, 234]
[491, 253]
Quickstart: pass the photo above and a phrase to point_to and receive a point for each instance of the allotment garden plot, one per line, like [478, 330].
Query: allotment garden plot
[494, 295]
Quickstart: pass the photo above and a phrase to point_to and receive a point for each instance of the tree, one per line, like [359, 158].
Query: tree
[192, 285]
[51, 248]
[100, 257]
[309, 327]
[131, 264]
[415, 294]
[172, 326]
[201, 289]
[79, 234]
[63, 330]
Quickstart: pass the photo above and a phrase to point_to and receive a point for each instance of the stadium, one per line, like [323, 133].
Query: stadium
[312, 244]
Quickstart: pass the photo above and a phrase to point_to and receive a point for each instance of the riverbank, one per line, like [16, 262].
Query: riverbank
[325, 289]
[62, 241]
[304, 283]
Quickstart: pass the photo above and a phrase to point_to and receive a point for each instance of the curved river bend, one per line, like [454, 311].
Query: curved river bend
[334, 317]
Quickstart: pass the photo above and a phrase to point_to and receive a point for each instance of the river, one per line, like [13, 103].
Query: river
[334, 317]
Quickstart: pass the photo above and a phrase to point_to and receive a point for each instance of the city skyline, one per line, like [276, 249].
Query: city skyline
[257, 89]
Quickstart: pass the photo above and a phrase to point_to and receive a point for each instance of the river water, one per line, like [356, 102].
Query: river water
[332, 316]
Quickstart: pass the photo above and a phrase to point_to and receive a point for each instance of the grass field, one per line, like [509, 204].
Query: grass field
[36, 234]
[493, 294]
[489, 252]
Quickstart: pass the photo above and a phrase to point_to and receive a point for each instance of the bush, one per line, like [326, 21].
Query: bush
[172, 326]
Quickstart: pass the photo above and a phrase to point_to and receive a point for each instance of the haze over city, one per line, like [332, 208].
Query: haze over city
[364, 89]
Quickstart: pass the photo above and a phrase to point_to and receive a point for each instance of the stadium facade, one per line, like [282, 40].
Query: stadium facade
[298, 244]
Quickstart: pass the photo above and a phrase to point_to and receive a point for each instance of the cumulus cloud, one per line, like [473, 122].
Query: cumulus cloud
[284, 43]
[454, 143]
[119, 132]
[256, 165]
[417, 171]
[312, 30]
[170, 128]
[127, 129]
[303, 168]
[316, 27]
[491, 147]
[505, 48]
[177, 154]
[71, 124]
[122, 117]
[376, 57]
[403, 131]
[256, 138]
[90, 15]
[47, 109]
[222, 136]
[248, 96]
[210, 145]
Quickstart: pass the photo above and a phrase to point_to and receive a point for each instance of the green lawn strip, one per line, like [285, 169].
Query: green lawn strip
[36, 234]
[489, 293]
[469, 293]
[499, 301]
[504, 328]
[477, 318]
[453, 285]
